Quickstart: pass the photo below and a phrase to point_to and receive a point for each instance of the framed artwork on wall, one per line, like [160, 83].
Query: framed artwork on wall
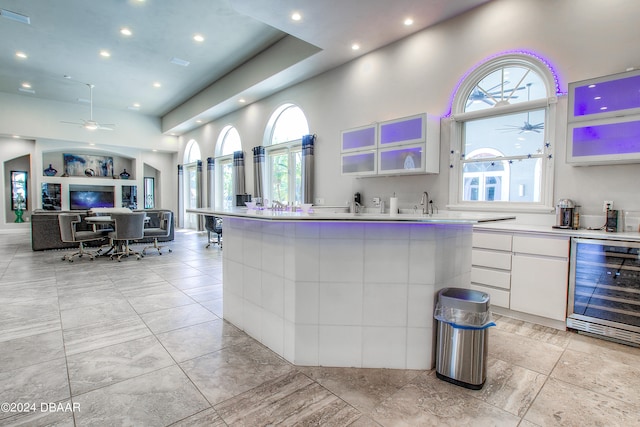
[19, 190]
[88, 165]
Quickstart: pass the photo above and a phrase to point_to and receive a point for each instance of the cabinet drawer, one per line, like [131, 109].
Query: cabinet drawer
[548, 246]
[485, 276]
[482, 258]
[499, 297]
[501, 242]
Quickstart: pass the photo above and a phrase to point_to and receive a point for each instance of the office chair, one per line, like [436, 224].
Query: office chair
[69, 233]
[213, 224]
[127, 227]
[163, 231]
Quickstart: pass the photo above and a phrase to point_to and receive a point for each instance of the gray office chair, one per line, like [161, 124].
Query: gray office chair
[127, 227]
[163, 231]
[213, 224]
[70, 234]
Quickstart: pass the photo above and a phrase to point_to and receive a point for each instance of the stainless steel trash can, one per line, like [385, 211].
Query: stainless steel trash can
[464, 318]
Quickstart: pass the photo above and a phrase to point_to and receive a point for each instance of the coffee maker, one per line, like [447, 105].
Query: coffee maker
[564, 213]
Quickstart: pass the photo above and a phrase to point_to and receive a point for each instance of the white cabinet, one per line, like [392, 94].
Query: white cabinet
[539, 276]
[604, 120]
[491, 265]
[527, 273]
[409, 145]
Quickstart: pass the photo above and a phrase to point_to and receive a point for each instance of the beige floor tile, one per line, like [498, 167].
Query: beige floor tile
[155, 399]
[289, 400]
[428, 401]
[522, 351]
[599, 374]
[362, 388]
[509, 387]
[562, 404]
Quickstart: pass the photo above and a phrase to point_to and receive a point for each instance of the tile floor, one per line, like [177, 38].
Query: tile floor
[143, 343]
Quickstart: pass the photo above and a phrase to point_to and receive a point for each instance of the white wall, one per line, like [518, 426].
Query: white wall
[37, 122]
[580, 38]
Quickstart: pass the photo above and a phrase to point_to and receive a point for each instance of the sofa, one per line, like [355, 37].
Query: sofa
[45, 231]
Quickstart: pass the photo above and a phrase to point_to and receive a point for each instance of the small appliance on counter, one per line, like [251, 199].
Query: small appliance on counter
[612, 221]
[564, 214]
[242, 198]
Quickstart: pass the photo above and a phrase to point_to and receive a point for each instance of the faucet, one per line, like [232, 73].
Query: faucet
[355, 207]
[277, 206]
[425, 203]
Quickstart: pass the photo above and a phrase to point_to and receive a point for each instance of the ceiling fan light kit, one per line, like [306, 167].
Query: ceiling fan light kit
[91, 124]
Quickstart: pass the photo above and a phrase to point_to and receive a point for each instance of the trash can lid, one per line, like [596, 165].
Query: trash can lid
[464, 299]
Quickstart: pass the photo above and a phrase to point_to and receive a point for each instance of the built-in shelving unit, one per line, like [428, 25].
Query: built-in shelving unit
[604, 120]
[409, 145]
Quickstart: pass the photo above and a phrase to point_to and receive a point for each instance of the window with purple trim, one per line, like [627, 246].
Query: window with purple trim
[501, 149]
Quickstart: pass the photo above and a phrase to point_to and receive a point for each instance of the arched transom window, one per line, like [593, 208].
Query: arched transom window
[283, 148]
[501, 144]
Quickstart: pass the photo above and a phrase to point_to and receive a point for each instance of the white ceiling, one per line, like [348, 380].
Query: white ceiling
[64, 37]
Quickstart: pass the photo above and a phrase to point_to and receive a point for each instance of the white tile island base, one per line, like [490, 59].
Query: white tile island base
[349, 294]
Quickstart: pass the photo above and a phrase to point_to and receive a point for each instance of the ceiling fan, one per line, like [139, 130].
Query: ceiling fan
[92, 124]
[527, 125]
[491, 96]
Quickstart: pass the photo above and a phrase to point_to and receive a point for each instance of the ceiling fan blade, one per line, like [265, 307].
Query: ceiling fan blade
[72, 123]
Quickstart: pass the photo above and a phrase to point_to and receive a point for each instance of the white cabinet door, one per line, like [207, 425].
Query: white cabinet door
[539, 286]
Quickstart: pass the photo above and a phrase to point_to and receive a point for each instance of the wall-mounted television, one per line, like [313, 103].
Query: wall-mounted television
[83, 200]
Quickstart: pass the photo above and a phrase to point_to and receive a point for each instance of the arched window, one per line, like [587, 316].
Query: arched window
[228, 142]
[192, 152]
[501, 144]
[283, 149]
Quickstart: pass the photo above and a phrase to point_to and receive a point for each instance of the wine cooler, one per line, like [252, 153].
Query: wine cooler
[604, 289]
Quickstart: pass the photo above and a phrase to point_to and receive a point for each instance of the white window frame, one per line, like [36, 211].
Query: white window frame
[222, 160]
[459, 117]
[292, 148]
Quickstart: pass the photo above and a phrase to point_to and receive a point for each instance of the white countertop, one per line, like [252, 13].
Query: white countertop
[324, 215]
[543, 229]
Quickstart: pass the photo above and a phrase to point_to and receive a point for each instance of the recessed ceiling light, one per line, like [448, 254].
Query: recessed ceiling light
[136, 104]
[157, 84]
[355, 46]
[408, 21]
[198, 37]
[154, 150]
[125, 31]
[26, 85]
[242, 100]
[105, 53]
[295, 16]
[198, 121]
[21, 54]
[16, 136]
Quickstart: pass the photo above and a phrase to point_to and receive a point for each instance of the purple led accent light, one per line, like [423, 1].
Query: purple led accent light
[609, 139]
[359, 138]
[405, 130]
[614, 95]
[546, 62]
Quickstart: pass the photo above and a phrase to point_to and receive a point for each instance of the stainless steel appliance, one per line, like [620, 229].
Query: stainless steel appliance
[604, 288]
[564, 213]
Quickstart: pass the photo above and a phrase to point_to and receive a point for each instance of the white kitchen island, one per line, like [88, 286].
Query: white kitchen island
[350, 290]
